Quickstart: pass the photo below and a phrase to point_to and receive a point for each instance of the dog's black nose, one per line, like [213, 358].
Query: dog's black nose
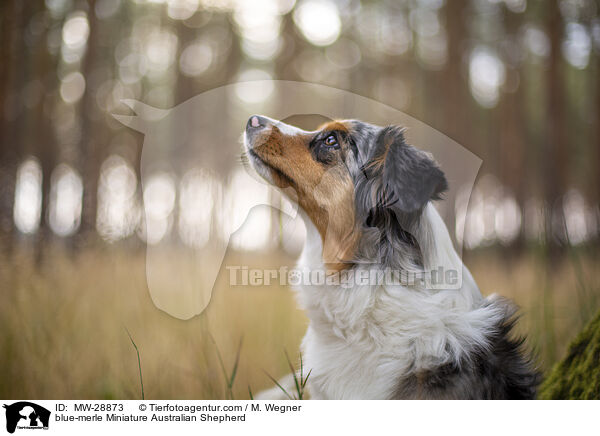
[256, 122]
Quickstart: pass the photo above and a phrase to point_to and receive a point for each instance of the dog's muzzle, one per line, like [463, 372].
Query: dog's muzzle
[255, 125]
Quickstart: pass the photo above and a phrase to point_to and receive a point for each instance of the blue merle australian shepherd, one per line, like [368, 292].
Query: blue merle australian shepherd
[366, 199]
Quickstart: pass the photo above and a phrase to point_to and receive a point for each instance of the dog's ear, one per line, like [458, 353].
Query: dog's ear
[400, 176]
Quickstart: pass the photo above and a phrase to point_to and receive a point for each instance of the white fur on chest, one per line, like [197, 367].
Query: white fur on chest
[363, 339]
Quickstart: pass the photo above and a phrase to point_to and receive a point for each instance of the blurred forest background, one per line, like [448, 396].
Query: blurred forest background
[514, 81]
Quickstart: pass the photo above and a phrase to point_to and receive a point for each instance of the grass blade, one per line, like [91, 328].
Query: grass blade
[219, 357]
[139, 361]
[293, 374]
[229, 379]
[278, 385]
[235, 365]
[305, 380]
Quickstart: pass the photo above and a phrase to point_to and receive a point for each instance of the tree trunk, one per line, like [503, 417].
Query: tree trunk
[89, 148]
[457, 99]
[12, 17]
[597, 56]
[44, 141]
[513, 132]
[556, 158]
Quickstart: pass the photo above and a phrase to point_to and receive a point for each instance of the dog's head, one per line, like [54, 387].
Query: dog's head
[350, 178]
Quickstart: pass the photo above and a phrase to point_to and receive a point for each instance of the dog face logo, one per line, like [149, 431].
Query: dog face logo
[26, 415]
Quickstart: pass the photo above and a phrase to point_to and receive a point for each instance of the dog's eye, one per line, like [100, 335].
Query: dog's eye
[331, 141]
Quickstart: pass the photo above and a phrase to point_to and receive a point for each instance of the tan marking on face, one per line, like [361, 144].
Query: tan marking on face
[334, 125]
[325, 192]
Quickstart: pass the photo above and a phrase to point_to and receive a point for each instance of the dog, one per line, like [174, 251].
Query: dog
[366, 198]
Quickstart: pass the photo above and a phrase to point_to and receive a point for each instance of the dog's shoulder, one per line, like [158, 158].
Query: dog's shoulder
[501, 370]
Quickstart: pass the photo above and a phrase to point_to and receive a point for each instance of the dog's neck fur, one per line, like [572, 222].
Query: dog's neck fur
[363, 340]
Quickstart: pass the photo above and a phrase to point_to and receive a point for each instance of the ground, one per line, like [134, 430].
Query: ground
[64, 323]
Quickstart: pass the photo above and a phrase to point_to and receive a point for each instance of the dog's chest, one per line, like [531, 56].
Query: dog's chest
[362, 342]
[350, 350]
[342, 370]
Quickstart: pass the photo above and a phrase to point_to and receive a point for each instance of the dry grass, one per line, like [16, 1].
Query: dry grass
[555, 301]
[64, 326]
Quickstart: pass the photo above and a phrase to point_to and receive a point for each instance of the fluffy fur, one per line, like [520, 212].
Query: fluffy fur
[385, 341]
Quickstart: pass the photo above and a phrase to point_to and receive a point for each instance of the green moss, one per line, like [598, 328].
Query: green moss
[577, 377]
